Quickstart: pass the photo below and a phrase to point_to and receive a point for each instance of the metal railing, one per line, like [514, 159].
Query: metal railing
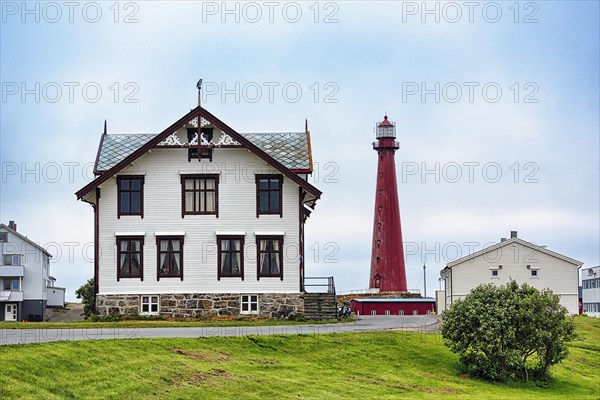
[369, 291]
[321, 282]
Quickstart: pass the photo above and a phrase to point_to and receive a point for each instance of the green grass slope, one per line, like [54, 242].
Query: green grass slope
[374, 365]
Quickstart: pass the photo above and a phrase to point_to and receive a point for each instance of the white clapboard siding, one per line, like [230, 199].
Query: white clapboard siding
[554, 273]
[162, 213]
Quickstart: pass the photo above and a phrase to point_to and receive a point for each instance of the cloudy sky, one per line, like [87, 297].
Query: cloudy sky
[496, 105]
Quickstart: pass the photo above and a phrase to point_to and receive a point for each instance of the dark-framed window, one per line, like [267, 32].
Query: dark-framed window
[269, 194]
[3, 237]
[231, 257]
[131, 195]
[130, 257]
[270, 256]
[170, 257]
[199, 195]
[193, 149]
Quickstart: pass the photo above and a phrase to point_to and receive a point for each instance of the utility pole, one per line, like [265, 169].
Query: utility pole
[424, 282]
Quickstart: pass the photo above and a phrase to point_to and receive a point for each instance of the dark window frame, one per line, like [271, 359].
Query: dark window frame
[121, 178]
[258, 254]
[158, 254]
[193, 149]
[129, 253]
[221, 238]
[3, 237]
[203, 192]
[258, 191]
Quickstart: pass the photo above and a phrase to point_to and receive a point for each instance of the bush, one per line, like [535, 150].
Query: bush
[87, 293]
[508, 332]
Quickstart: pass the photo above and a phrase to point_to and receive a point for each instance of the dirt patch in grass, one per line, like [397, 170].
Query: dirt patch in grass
[366, 379]
[212, 376]
[264, 361]
[206, 356]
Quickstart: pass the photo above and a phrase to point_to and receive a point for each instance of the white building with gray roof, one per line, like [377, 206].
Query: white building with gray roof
[26, 287]
[200, 220]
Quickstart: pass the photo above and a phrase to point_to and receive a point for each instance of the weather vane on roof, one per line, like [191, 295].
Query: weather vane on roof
[199, 86]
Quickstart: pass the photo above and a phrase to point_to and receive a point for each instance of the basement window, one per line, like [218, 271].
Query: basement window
[149, 305]
[249, 304]
[534, 273]
[494, 273]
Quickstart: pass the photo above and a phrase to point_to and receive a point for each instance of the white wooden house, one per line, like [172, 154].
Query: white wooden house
[25, 278]
[516, 259]
[199, 227]
[590, 291]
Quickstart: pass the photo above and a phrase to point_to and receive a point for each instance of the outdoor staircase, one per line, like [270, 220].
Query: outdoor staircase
[320, 303]
[320, 306]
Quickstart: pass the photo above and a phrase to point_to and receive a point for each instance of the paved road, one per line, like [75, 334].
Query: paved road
[422, 323]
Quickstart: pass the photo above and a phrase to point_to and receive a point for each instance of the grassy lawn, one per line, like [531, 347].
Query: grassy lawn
[160, 323]
[374, 365]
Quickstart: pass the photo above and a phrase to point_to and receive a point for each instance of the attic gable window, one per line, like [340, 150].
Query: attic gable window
[199, 195]
[131, 195]
[207, 133]
[3, 237]
[269, 194]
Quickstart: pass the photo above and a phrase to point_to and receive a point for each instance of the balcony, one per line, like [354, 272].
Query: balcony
[11, 296]
[12, 271]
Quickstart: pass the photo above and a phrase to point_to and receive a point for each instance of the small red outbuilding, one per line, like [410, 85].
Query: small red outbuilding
[393, 306]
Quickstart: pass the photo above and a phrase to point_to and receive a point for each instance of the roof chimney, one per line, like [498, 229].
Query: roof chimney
[503, 239]
[513, 234]
[11, 225]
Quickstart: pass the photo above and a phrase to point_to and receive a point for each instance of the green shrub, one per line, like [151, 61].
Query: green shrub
[508, 332]
[87, 293]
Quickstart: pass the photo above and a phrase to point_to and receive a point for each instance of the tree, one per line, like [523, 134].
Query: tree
[508, 332]
[87, 293]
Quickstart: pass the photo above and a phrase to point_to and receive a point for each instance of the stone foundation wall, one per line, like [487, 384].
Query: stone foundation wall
[195, 305]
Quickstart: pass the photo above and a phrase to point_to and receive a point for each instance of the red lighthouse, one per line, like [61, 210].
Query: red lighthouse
[387, 255]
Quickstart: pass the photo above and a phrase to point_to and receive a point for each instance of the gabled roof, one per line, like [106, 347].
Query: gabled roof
[199, 113]
[25, 238]
[292, 149]
[115, 147]
[509, 242]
